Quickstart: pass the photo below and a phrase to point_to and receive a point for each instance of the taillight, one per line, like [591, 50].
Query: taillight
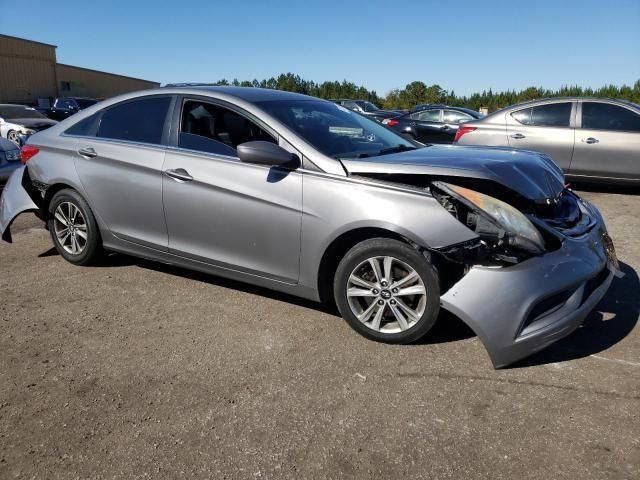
[462, 130]
[27, 152]
[390, 122]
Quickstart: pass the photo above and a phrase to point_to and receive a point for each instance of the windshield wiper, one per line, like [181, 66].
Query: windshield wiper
[397, 149]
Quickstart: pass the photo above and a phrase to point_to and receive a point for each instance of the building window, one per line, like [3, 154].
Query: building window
[65, 86]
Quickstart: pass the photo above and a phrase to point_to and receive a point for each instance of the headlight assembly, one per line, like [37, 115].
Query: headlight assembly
[496, 216]
[27, 131]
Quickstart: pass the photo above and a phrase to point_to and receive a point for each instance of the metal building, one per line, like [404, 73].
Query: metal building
[29, 70]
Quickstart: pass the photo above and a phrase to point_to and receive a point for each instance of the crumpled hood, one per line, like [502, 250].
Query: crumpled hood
[531, 174]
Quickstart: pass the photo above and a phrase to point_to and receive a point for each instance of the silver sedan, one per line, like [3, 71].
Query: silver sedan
[592, 139]
[306, 197]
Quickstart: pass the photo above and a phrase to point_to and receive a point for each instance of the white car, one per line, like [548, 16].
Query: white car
[17, 122]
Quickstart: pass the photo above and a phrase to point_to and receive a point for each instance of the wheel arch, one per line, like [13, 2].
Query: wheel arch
[340, 245]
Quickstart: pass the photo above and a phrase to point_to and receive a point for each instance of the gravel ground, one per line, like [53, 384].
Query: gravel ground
[137, 370]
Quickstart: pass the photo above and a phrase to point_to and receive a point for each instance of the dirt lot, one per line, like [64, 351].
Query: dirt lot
[137, 370]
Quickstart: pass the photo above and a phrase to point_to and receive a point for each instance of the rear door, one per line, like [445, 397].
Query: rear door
[548, 128]
[224, 212]
[428, 126]
[120, 152]
[607, 142]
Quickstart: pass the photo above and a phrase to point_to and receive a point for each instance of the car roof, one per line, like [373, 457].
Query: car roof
[565, 99]
[248, 94]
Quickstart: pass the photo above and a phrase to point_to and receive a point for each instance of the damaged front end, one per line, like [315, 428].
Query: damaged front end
[19, 196]
[536, 274]
[537, 268]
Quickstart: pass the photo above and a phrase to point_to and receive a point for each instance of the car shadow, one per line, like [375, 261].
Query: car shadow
[211, 279]
[611, 321]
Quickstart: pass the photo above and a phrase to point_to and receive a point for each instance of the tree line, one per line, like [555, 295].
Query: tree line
[419, 92]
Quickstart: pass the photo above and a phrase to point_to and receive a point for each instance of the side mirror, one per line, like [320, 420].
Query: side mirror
[267, 153]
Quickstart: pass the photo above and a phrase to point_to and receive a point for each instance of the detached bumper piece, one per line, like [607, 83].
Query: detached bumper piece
[14, 200]
[521, 309]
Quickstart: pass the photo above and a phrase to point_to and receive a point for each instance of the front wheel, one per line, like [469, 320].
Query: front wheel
[13, 136]
[387, 291]
[73, 228]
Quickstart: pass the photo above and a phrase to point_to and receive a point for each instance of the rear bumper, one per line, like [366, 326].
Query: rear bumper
[519, 310]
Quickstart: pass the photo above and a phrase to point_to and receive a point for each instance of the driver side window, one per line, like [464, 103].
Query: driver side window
[210, 128]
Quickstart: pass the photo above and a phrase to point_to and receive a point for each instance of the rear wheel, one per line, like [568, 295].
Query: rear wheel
[387, 291]
[73, 228]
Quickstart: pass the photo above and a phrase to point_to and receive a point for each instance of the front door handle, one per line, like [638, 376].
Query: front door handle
[179, 174]
[591, 140]
[88, 152]
[445, 127]
[518, 136]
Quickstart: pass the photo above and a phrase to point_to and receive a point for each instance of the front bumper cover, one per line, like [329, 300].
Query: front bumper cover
[519, 310]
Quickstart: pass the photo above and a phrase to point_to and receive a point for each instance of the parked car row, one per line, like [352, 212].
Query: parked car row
[592, 139]
[368, 109]
[59, 108]
[18, 122]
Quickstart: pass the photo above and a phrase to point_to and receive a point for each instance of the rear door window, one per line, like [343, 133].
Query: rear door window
[139, 120]
[454, 116]
[550, 115]
[605, 116]
[426, 116]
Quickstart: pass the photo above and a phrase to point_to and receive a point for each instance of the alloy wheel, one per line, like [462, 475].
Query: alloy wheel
[386, 294]
[70, 228]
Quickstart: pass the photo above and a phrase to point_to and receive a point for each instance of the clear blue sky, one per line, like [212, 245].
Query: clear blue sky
[462, 45]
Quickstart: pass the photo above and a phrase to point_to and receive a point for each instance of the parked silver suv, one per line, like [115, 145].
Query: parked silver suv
[590, 138]
[307, 197]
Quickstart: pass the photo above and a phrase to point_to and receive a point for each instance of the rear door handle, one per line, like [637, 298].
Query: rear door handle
[88, 152]
[179, 174]
[591, 140]
[518, 136]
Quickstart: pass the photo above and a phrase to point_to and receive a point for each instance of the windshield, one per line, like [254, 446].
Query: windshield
[334, 130]
[85, 102]
[9, 112]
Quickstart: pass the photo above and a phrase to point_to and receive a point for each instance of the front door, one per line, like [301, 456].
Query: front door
[546, 128]
[608, 143]
[227, 213]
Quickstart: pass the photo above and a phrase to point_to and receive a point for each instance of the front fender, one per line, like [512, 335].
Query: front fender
[15, 200]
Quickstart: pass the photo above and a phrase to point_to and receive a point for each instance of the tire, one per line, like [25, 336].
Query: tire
[13, 136]
[369, 293]
[72, 245]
